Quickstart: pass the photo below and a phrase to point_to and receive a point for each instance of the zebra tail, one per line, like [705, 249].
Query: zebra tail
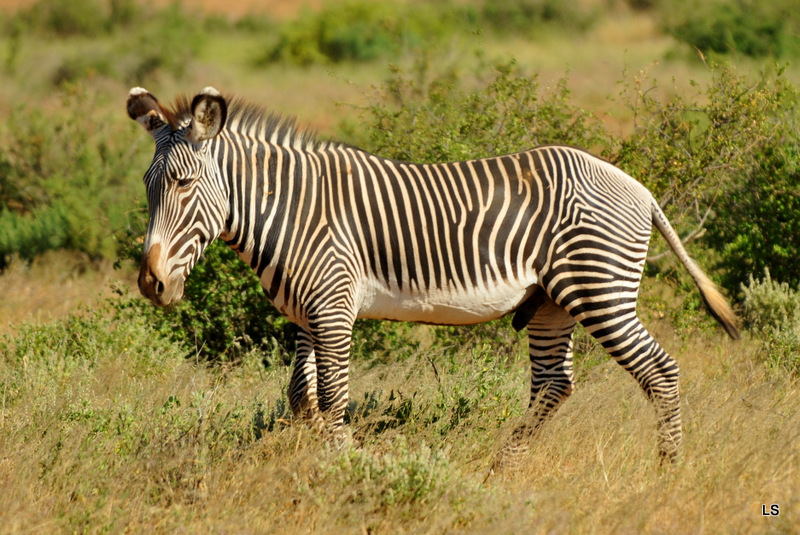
[715, 302]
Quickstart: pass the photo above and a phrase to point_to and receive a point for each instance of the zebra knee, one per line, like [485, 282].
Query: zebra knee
[302, 400]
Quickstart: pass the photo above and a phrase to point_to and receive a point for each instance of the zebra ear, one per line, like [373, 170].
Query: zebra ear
[209, 112]
[145, 109]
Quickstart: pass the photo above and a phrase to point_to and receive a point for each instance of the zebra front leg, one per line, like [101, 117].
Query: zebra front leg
[552, 380]
[303, 384]
[332, 351]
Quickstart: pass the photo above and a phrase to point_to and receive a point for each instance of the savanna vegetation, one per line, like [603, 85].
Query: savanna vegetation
[116, 416]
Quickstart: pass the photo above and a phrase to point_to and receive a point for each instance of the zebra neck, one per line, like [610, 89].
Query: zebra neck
[272, 193]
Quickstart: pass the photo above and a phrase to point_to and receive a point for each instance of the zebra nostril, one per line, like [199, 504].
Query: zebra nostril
[159, 287]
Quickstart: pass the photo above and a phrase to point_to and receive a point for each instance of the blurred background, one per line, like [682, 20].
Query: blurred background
[631, 80]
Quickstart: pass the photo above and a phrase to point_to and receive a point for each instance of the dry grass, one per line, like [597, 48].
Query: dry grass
[131, 436]
[54, 285]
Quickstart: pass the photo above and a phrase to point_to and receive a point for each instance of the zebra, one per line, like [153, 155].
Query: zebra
[553, 235]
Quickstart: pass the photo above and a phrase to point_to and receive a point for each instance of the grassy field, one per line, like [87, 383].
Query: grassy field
[106, 427]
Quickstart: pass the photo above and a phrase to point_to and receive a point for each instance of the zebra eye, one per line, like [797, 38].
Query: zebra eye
[184, 182]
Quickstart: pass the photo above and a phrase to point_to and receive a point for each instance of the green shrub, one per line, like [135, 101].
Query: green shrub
[473, 389]
[71, 18]
[430, 116]
[692, 152]
[224, 313]
[499, 335]
[29, 235]
[755, 228]
[355, 31]
[769, 304]
[364, 31]
[137, 41]
[642, 5]
[63, 180]
[527, 17]
[399, 480]
[381, 341]
[771, 310]
[758, 220]
[51, 352]
[166, 42]
[748, 27]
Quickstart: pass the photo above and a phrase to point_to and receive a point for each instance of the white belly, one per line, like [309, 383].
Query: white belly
[444, 306]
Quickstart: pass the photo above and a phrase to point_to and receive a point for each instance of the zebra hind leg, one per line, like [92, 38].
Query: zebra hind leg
[654, 369]
[552, 380]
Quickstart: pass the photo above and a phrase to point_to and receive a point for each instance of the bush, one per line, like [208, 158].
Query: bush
[757, 221]
[429, 116]
[66, 18]
[49, 353]
[399, 480]
[354, 31]
[753, 226]
[748, 27]
[29, 235]
[364, 31]
[165, 42]
[224, 313]
[138, 42]
[691, 153]
[71, 18]
[63, 181]
[526, 17]
[769, 304]
[771, 310]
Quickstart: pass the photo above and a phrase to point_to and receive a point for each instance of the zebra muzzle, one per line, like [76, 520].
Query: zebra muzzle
[154, 283]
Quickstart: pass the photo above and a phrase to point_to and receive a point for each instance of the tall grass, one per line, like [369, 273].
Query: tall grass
[106, 427]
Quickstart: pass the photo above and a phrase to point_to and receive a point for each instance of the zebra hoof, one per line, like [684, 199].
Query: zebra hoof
[508, 460]
[667, 459]
[342, 438]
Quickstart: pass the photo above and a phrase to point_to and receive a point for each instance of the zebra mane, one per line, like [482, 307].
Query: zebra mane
[254, 121]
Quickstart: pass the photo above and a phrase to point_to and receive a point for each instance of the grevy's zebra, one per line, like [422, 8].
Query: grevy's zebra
[552, 234]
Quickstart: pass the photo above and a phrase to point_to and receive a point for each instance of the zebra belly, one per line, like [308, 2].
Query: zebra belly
[444, 306]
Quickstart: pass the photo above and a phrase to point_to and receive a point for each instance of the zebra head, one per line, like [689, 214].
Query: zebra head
[186, 193]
